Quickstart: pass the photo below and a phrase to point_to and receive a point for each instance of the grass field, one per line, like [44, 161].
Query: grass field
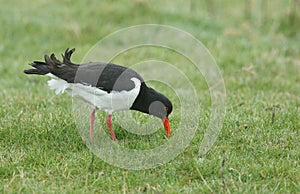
[256, 47]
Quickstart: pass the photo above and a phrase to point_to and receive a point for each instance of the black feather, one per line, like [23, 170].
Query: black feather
[106, 76]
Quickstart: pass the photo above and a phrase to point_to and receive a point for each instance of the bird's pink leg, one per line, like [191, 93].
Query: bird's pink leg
[109, 124]
[92, 121]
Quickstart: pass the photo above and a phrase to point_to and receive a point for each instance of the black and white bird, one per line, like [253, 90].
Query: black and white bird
[105, 86]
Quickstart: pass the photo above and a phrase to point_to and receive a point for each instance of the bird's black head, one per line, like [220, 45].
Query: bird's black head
[154, 103]
[159, 106]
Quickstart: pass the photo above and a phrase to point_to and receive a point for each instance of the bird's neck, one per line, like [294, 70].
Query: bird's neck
[143, 100]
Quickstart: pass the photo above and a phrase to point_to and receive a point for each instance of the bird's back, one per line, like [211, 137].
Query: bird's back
[105, 76]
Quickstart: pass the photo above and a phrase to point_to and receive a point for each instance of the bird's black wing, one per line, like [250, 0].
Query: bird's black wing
[106, 76]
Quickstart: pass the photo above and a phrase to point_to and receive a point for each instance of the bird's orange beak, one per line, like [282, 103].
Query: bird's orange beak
[167, 126]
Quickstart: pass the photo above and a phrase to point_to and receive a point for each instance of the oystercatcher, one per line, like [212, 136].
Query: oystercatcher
[106, 86]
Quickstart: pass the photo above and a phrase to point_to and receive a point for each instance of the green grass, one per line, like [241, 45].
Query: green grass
[258, 55]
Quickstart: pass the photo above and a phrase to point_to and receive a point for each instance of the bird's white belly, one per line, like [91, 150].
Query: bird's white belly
[110, 102]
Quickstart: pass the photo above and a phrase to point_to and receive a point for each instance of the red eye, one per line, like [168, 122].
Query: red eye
[166, 108]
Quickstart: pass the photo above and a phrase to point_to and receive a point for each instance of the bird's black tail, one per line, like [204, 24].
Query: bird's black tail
[65, 69]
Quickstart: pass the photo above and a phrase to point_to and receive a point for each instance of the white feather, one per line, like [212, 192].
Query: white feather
[110, 102]
[57, 84]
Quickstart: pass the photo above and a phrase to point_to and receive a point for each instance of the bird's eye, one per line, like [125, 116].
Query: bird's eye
[166, 108]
